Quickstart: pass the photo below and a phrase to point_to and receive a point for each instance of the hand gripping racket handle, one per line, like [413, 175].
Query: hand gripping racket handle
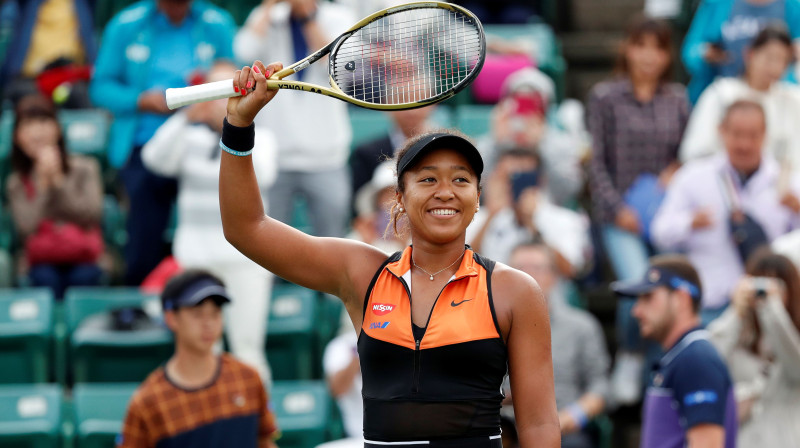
[211, 91]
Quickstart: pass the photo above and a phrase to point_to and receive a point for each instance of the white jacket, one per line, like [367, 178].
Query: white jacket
[190, 153]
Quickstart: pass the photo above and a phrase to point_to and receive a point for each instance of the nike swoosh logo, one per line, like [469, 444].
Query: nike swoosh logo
[454, 304]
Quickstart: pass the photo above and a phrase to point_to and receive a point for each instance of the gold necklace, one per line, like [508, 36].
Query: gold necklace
[440, 270]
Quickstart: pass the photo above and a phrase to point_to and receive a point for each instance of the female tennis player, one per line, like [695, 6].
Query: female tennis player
[439, 325]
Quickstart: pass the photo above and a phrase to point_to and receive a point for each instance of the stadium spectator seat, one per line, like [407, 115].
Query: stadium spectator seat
[114, 231]
[30, 416]
[303, 410]
[97, 354]
[26, 334]
[86, 131]
[546, 51]
[369, 124]
[6, 228]
[99, 410]
[239, 9]
[474, 120]
[6, 134]
[292, 332]
[6, 269]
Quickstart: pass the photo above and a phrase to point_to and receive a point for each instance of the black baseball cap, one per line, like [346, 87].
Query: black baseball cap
[192, 292]
[654, 278]
[439, 140]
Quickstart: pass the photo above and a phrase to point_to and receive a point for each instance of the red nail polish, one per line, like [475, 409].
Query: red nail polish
[249, 84]
[268, 73]
[255, 69]
[235, 88]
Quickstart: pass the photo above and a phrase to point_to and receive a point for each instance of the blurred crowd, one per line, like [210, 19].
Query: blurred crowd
[575, 195]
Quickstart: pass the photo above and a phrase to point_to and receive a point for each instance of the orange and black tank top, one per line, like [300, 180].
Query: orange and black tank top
[441, 384]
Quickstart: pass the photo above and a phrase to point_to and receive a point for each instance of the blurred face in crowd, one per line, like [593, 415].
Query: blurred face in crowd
[196, 328]
[537, 262]
[412, 122]
[743, 132]
[175, 10]
[767, 64]
[656, 312]
[646, 59]
[35, 133]
[520, 119]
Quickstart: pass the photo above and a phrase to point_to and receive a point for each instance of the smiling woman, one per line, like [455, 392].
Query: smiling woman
[439, 325]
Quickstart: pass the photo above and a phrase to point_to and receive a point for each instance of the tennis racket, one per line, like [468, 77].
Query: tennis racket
[403, 57]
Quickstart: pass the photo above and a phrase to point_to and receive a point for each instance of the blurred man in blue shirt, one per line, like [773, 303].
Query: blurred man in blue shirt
[690, 399]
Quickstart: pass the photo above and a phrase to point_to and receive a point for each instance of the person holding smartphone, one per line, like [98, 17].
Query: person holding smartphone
[518, 209]
[759, 337]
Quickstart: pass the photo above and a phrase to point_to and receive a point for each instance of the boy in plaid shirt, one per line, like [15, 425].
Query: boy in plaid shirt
[198, 399]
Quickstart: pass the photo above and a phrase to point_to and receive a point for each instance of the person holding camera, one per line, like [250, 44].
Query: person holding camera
[517, 209]
[759, 338]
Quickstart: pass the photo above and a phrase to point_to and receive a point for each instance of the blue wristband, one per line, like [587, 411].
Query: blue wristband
[234, 152]
[578, 414]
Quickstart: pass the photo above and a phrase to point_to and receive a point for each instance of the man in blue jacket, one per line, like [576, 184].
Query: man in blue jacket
[721, 31]
[149, 47]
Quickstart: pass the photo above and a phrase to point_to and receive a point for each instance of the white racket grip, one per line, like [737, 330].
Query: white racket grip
[201, 92]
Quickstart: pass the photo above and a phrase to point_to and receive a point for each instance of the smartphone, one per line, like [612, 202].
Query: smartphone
[760, 285]
[522, 180]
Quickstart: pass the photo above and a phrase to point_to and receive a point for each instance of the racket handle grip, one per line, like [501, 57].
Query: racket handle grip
[199, 93]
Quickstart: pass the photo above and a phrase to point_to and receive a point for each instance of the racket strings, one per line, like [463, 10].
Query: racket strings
[409, 56]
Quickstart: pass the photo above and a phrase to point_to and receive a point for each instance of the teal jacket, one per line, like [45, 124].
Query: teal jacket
[706, 27]
[123, 63]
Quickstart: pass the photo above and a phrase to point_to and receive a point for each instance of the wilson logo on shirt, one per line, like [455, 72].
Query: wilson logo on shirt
[380, 309]
[378, 325]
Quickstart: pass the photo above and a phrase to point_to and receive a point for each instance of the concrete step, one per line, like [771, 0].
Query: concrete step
[603, 15]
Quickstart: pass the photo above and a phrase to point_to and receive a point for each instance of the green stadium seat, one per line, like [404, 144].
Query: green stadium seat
[292, 332]
[86, 131]
[7, 232]
[99, 410]
[303, 410]
[30, 416]
[547, 49]
[114, 231]
[6, 137]
[100, 355]
[6, 269]
[239, 9]
[474, 120]
[26, 321]
[369, 124]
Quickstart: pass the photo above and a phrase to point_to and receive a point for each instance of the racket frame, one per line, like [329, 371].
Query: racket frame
[276, 81]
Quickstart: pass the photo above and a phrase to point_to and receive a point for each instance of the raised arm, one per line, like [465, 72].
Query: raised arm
[333, 265]
[529, 358]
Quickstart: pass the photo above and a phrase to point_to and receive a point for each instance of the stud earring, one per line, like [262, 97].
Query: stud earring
[402, 210]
